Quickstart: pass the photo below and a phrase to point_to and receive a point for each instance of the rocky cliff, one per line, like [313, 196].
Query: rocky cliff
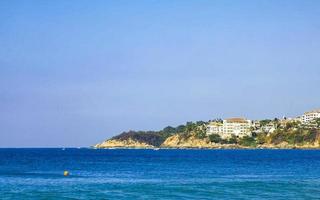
[193, 135]
[178, 141]
[174, 141]
[128, 143]
[286, 145]
[192, 141]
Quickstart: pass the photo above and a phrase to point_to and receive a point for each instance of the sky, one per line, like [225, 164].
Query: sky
[74, 73]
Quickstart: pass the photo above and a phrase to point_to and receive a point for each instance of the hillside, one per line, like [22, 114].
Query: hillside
[193, 135]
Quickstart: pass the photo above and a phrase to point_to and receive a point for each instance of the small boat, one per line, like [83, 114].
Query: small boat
[156, 149]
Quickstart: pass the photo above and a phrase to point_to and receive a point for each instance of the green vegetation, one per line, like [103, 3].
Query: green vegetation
[265, 122]
[247, 141]
[296, 136]
[232, 140]
[149, 137]
[292, 133]
[317, 122]
[201, 134]
[156, 138]
[261, 138]
[215, 138]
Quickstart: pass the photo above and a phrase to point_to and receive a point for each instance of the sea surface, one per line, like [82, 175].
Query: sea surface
[159, 174]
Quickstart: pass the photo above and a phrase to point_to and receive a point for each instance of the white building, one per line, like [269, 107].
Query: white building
[308, 117]
[269, 128]
[215, 128]
[237, 126]
[234, 126]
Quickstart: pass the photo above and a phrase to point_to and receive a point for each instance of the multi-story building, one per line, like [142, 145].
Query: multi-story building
[269, 127]
[308, 117]
[215, 128]
[255, 124]
[234, 126]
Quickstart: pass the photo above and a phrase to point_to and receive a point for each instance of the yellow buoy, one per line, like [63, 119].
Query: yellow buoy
[65, 173]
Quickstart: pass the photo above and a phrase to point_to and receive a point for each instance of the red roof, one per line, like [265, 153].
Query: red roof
[237, 120]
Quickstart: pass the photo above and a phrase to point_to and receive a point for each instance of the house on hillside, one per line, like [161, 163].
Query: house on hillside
[237, 126]
[310, 116]
[233, 126]
[214, 128]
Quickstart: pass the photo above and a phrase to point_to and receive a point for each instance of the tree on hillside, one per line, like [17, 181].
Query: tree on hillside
[215, 138]
[233, 140]
[169, 129]
[199, 123]
[261, 138]
[247, 141]
[181, 129]
[201, 134]
[265, 122]
[190, 126]
[317, 122]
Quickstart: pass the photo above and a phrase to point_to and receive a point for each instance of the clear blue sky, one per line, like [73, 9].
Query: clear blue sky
[73, 73]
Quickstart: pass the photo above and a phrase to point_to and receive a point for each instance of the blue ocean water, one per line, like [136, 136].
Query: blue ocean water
[162, 174]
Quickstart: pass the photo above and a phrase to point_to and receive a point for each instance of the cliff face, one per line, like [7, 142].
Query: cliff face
[305, 139]
[175, 141]
[286, 135]
[285, 145]
[149, 138]
[128, 143]
[178, 141]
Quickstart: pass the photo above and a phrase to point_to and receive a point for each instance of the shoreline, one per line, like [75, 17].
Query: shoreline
[206, 148]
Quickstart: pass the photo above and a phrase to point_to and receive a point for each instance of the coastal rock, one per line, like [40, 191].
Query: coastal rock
[285, 145]
[181, 142]
[175, 141]
[178, 141]
[129, 143]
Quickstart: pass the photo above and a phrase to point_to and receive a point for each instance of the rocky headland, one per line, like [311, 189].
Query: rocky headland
[193, 135]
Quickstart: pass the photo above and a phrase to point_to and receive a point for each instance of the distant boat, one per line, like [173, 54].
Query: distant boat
[156, 149]
[63, 149]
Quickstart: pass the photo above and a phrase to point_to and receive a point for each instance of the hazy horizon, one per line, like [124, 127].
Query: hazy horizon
[73, 73]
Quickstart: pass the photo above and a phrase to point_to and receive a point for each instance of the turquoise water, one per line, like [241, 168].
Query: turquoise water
[162, 174]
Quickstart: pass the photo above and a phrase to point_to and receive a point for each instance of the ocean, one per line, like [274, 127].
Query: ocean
[162, 174]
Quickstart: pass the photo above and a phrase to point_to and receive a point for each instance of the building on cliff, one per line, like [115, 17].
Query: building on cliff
[215, 128]
[233, 126]
[237, 126]
[308, 117]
